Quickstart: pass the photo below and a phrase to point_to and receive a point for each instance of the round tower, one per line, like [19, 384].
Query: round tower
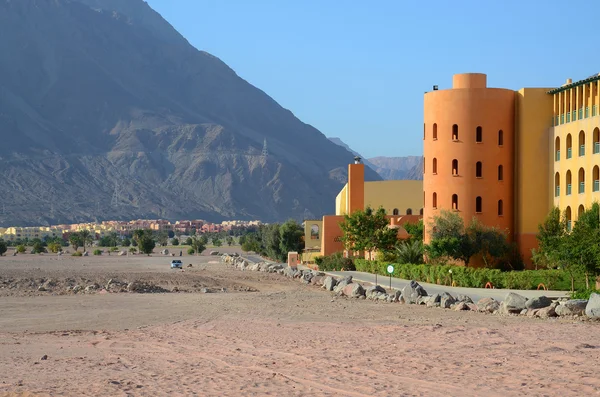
[469, 152]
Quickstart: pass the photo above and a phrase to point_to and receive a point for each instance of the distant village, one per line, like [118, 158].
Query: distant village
[124, 228]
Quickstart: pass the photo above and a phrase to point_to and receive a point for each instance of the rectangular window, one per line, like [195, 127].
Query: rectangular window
[562, 118]
[581, 187]
[582, 150]
[594, 110]
[569, 153]
[580, 114]
[556, 120]
[557, 194]
[568, 189]
[568, 117]
[557, 155]
[597, 186]
[587, 112]
[569, 225]
[596, 147]
[574, 116]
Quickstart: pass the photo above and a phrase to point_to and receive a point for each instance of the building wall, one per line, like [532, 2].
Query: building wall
[356, 187]
[469, 105]
[575, 114]
[401, 195]
[312, 233]
[532, 166]
[331, 235]
[341, 206]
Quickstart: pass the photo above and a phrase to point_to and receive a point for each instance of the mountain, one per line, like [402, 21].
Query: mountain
[107, 112]
[410, 167]
[341, 143]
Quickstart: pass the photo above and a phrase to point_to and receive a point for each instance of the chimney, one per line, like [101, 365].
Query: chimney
[356, 186]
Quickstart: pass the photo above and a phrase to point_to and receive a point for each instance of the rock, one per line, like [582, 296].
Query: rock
[86, 253]
[77, 288]
[44, 357]
[461, 306]
[341, 284]
[214, 253]
[317, 280]
[41, 288]
[412, 292]
[592, 309]
[488, 305]
[347, 279]
[472, 306]
[329, 283]
[538, 303]
[396, 295]
[133, 286]
[373, 290]
[463, 298]
[123, 253]
[164, 252]
[353, 290]
[513, 303]
[205, 290]
[572, 307]
[524, 312]
[422, 300]
[446, 300]
[546, 312]
[433, 301]
[307, 276]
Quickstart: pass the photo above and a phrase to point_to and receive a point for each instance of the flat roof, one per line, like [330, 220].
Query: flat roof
[575, 84]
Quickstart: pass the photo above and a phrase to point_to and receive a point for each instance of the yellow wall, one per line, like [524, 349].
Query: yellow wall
[391, 195]
[533, 119]
[309, 238]
[341, 201]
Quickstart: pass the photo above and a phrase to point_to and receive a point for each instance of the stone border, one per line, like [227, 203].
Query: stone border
[414, 293]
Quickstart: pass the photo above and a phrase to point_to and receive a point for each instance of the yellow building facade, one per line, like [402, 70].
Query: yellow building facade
[399, 197]
[575, 146]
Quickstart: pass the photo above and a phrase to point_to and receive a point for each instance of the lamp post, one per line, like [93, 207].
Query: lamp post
[450, 271]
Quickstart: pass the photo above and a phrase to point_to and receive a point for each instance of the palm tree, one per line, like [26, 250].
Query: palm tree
[86, 237]
[410, 252]
[75, 240]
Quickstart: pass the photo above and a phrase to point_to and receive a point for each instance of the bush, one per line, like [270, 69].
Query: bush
[475, 277]
[584, 294]
[175, 242]
[191, 251]
[20, 248]
[97, 252]
[77, 253]
[334, 262]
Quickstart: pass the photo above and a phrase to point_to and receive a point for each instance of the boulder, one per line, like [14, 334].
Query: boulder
[123, 253]
[538, 303]
[463, 298]
[434, 300]
[164, 252]
[214, 252]
[412, 292]
[572, 307]
[488, 305]
[396, 295]
[422, 300]
[461, 306]
[513, 304]
[317, 280]
[341, 284]
[592, 309]
[446, 300]
[546, 312]
[329, 283]
[353, 290]
[373, 290]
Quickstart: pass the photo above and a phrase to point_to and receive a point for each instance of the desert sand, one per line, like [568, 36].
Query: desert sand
[257, 334]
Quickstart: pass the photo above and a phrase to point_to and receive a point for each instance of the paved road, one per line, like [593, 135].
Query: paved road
[398, 283]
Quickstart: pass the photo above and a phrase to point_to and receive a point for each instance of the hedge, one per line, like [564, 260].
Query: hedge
[475, 277]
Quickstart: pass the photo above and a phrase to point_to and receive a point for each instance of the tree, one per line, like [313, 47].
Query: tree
[410, 252]
[270, 241]
[86, 237]
[55, 247]
[175, 241]
[38, 248]
[229, 240]
[21, 249]
[550, 236]
[75, 240]
[490, 242]
[163, 238]
[415, 230]
[368, 231]
[216, 242]
[204, 239]
[198, 245]
[126, 242]
[110, 240]
[291, 238]
[585, 241]
[170, 234]
[146, 244]
[242, 239]
[3, 247]
[251, 243]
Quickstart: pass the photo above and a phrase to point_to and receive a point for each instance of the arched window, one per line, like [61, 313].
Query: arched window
[500, 138]
[557, 149]
[596, 136]
[455, 202]
[409, 211]
[478, 204]
[556, 184]
[580, 211]
[581, 180]
[569, 146]
[581, 143]
[314, 232]
[455, 167]
[455, 132]
[500, 173]
[478, 170]
[395, 212]
[434, 131]
[435, 166]
[568, 217]
[434, 200]
[569, 182]
[500, 208]
[479, 135]
[596, 176]
[421, 211]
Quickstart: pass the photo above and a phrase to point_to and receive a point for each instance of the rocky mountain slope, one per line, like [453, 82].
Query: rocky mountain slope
[409, 167]
[106, 112]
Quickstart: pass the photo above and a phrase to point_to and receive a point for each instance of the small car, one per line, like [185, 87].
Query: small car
[176, 264]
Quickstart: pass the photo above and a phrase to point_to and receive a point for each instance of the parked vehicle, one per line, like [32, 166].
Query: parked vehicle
[176, 264]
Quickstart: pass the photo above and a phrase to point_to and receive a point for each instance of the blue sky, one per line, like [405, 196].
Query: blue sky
[358, 69]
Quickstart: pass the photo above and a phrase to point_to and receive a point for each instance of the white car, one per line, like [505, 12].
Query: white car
[176, 264]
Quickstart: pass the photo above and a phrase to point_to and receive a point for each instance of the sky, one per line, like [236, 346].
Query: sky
[358, 70]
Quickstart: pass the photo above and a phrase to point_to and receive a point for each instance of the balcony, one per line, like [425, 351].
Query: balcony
[594, 110]
[569, 153]
[580, 114]
[568, 117]
[581, 187]
[556, 120]
[581, 150]
[562, 118]
[568, 189]
[587, 112]
[574, 115]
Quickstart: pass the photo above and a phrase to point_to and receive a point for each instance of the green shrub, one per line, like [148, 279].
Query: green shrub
[97, 252]
[77, 253]
[334, 262]
[191, 251]
[583, 294]
[476, 277]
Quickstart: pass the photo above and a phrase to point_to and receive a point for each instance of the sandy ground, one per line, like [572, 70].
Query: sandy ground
[265, 335]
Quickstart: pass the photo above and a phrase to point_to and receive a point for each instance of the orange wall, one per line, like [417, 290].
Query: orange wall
[356, 187]
[331, 235]
[474, 105]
